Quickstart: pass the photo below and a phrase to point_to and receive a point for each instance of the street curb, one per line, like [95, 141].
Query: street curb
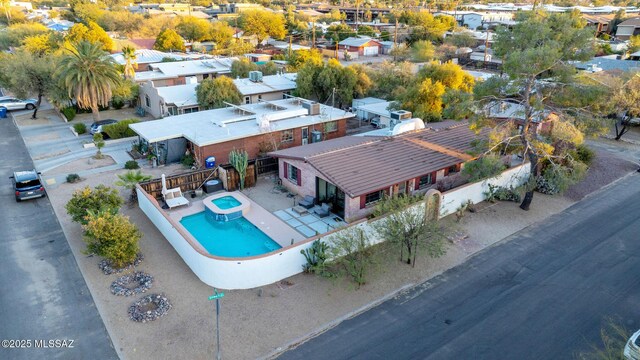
[330, 325]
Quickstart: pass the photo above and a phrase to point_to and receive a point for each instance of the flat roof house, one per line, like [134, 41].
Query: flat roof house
[181, 99]
[256, 128]
[354, 172]
[176, 73]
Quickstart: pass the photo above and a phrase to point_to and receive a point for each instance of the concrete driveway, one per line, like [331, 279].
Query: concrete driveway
[44, 296]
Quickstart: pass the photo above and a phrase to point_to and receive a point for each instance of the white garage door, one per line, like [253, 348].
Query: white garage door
[370, 50]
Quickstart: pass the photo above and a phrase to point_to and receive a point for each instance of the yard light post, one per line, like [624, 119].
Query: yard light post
[216, 296]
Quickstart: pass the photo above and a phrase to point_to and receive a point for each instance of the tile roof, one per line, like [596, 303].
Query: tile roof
[631, 22]
[376, 163]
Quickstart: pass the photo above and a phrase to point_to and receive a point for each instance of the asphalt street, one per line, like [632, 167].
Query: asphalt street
[43, 296]
[545, 294]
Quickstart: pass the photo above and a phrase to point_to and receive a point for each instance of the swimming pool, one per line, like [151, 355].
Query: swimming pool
[233, 238]
[226, 202]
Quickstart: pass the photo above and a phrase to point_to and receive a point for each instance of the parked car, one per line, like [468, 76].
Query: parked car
[12, 103]
[632, 349]
[27, 185]
[97, 127]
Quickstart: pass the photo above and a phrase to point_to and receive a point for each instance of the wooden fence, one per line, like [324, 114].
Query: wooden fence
[266, 165]
[187, 182]
[231, 178]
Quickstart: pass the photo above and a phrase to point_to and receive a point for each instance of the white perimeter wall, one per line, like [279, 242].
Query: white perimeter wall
[246, 273]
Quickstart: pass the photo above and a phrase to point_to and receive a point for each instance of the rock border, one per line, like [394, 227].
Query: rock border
[108, 269]
[137, 314]
[120, 285]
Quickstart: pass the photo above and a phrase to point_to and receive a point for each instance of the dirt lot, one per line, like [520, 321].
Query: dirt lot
[78, 165]
[258, 322]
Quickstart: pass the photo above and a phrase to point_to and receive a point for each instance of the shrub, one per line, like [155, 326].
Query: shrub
[80, 128]
[584, 154]
[316, 257]
[131, 165]
[117, 104]
[188, 160]
[120, 129]
[111, 236]
[502, 193]
[100, 199]
[73, 178]
[69, 113]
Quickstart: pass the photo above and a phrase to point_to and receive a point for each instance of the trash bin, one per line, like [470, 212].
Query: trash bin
[3, 112]
[212, 186]
[210, 162]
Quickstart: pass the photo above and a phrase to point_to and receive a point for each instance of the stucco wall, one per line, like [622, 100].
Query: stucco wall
[308, 180]
[252, 144]
[147, 89]
[255, 98]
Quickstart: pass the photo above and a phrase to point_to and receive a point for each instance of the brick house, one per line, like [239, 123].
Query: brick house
[354, 172]
[256, 128]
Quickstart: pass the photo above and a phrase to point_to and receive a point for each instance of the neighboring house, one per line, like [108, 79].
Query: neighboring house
[386, 47]
[355, 172]
[256, 128]
[258, 57]
[363, 45]
[377, 111]
[606, 63]
[161, 101]
[144, 43]
[599, 22]
[58, 24]
[176, 73]
[146, 57]
[284, 46]
[628, 28]
[512, 111]
[473, 20]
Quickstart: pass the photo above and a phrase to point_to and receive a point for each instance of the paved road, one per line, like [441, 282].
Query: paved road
[543, 295]
[43, 294]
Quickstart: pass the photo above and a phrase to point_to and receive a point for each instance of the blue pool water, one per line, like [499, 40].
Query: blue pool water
[226, 202]
[234, 238]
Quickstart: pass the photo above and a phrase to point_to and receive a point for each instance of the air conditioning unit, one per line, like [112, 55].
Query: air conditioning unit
[312, 106]
[255, 76]
[316, 136]
[400, 115]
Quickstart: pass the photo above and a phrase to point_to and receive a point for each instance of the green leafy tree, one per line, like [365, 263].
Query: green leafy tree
[44, 44]
[213, 93]
[221, 33]
[352, 252]
[262, 24]
[538, 47]
[366, 30]
[14, 35]
[92, 33]
[408, 228]
[130, 65]
[390, 81]
[461, 39]
[339, 32]
[241, 68]
[126, 91]
[99, 199]
[298, 58]
[484, 167]
[90, 75]
[98, 141]
[269, 68]
[27, 74]
[113, 237]
[169, 40]
[422, 51]
[331, 81]
[193, 28]
[130, 179]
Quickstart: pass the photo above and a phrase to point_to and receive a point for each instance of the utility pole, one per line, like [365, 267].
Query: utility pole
[486, 48]
[395, 40]
[313, 34]
[290, 40]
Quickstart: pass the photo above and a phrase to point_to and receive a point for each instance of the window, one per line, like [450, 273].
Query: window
[331, 126]
[373, 197]
[247, 100]
[172, 110]
[425, 181]
[190, 110]
[287, 136]
[292, 173]
[259, 98]
[453, 169]
[147, 101]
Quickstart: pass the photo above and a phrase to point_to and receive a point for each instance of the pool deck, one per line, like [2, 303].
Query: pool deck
[267, 222]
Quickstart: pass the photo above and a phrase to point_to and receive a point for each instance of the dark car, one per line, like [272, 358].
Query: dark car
[27, 185]
[98, 126]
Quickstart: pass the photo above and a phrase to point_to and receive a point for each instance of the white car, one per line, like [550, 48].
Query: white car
[12, 103]
[632, 349]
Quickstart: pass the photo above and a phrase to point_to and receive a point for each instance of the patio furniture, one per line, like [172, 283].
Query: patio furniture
[307, 202]
[300, 210]
[323, 210]
[172, 197]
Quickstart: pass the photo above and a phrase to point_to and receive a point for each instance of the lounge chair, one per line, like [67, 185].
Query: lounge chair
[323, 210]
[307, 202]
[173, 197]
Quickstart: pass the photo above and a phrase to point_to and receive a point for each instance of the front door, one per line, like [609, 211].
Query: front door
[305, 135]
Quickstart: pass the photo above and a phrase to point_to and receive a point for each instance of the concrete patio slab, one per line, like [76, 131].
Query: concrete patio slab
[319, 226]
[306, 231]
[282, 215]
[293, 223]
[308, 219]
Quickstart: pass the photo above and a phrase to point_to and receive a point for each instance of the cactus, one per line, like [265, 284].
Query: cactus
[239, 159]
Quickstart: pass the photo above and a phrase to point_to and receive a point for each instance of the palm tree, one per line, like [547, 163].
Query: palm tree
[130, 65]
[89, 74]
[129, 180]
